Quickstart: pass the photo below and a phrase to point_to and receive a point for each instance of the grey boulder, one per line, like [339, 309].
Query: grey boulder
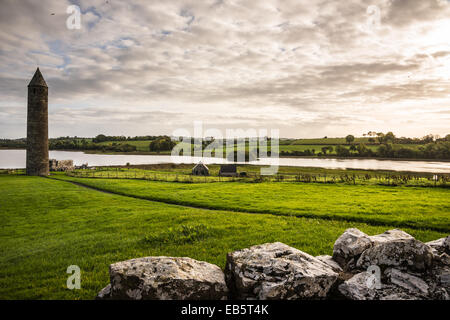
[403, 254]
[361, 287]
[390, 235]
[165, 278]
[440, 246]
[277, 271]
[349, 246]
[353, 242]
[413, 284]
[393, 285]
[105, 293]
[328, 260]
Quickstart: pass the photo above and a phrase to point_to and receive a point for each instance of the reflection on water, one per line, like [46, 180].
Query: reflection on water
[16, 159]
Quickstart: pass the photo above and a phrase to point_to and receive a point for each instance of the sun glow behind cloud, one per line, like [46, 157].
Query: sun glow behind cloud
[308, 68]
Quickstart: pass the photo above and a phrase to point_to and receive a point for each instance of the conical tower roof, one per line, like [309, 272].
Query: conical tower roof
[38, 79]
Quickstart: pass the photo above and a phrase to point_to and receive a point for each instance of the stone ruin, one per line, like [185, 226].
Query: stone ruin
[389, 266]
[61, 165]
[37, 163]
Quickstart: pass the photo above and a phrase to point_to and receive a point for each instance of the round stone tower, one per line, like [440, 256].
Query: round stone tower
[37, 126]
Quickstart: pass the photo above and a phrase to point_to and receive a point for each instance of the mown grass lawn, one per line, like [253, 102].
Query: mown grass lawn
[47, 225]
[415, 207]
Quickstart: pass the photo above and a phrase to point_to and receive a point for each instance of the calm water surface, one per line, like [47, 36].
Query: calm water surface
[16, 159]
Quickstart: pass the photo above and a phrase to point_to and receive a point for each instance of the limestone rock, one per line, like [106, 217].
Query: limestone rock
[440, 274]
[389, 266]
[436, 245]
[166, 278]
[105, 293]
[349, 246]
[402, 254]
[414, 285]
[277, 271]
[397, 295]
[390, 235]
[357, 288]
[440, 246]
[328, 260]
[442, 259]
[360, 287]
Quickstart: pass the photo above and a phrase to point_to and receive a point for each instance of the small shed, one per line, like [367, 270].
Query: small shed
[83, 166]
[200, 169]
[228, 170]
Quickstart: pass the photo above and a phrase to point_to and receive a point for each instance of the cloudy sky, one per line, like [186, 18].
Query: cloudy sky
[307, 67]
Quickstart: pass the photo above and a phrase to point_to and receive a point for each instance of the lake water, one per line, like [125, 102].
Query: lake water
[11, 159]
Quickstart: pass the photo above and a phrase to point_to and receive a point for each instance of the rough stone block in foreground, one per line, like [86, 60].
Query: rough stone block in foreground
[390, 235]
[277, 271]
[349, 246]
[330, 262]
[353, 242]
[404, 254]
[165, 278]
[440, 246]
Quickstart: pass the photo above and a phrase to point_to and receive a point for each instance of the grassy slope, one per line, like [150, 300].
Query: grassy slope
[415, 207]
[327, 141]
[141, 146]
[47, 225]
[285, 145]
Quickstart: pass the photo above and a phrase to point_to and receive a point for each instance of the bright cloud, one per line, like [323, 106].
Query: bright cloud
[308, 68]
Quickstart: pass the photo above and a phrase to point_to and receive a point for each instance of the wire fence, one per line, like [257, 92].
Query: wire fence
[442, 180]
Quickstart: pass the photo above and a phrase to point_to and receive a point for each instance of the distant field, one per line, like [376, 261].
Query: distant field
[142, 146]
[48, 225]
[327, 141]
[302, 147]
[284, 145]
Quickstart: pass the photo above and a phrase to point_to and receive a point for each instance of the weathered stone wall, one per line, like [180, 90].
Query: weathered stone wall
[389, 266]
[61, 165]
[37, 127]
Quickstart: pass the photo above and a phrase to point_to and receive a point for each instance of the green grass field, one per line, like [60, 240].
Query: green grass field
[48, 225]
[416, 207]
[141, 146]
[327, 141]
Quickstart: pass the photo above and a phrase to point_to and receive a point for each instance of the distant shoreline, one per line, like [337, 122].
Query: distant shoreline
[141, 153]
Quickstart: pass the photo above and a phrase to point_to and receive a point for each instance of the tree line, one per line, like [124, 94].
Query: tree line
[389, 146]
[104, 138]
[389, 137]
